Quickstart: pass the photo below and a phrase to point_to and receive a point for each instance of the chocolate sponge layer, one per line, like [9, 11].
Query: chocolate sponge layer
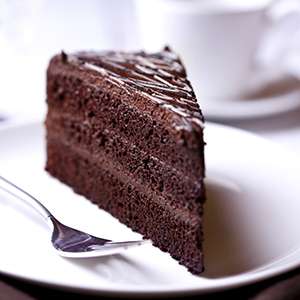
[176, 232]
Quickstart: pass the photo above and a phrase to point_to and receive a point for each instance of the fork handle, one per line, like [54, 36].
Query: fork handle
[20, 194]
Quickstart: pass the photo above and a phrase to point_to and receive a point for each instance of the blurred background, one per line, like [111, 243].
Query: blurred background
[242, 56]
[31, 31]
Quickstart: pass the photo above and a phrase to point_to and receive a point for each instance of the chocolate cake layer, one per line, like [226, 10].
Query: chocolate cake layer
[145, 167]
[125, 130]
[174, 227]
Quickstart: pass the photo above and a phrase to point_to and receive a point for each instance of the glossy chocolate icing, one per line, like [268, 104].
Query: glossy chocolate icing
[159, 76]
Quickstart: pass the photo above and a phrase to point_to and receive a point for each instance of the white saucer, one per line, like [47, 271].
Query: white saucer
[251, 221]
[250, 108]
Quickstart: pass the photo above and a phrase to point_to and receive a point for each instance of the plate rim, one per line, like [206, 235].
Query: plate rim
[237, 114]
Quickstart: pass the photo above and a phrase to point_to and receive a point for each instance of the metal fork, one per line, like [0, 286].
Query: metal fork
[68, 242]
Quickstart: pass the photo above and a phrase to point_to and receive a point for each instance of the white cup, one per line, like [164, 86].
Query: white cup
[219, 41]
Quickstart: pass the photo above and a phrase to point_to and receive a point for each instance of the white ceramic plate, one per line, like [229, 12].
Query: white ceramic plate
[251, 221]
[250, 108]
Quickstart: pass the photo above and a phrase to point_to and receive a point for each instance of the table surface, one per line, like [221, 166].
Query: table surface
[283, 129]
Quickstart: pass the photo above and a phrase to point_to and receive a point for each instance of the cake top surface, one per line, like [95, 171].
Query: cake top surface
[159, 76]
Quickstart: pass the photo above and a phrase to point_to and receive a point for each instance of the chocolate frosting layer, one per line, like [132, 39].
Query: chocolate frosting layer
[159, 76]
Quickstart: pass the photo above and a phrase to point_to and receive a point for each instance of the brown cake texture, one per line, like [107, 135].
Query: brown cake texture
[125, 130]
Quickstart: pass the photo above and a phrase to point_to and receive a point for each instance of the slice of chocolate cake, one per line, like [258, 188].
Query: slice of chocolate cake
[125, 130]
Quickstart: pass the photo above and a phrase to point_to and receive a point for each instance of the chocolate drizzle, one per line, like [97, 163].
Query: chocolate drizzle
[159, 76]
